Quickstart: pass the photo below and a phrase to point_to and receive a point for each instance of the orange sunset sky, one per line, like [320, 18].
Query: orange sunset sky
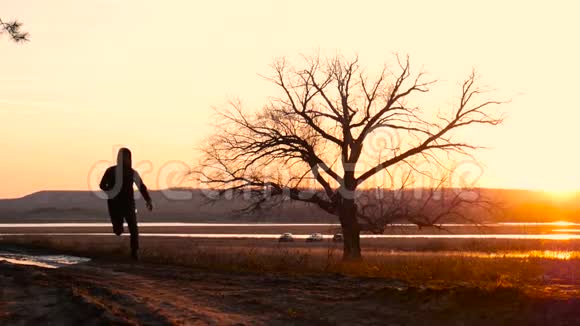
[145, 74]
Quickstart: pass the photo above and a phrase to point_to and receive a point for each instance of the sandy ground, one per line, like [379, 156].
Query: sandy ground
[123, 292]
[115, 290]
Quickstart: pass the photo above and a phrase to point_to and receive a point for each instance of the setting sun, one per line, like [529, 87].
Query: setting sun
[563, 194]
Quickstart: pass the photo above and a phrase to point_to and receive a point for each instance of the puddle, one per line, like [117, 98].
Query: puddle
[545, 254]
[45, 261]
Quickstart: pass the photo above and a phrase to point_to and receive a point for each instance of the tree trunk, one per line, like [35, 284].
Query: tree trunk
[350, 230]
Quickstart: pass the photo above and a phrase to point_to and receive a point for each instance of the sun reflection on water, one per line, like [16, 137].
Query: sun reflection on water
[546, 254]
[543, 254]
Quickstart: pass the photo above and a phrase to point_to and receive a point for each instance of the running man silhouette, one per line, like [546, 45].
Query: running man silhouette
[117, 183]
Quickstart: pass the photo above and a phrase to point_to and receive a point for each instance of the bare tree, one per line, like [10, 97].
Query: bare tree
[14, 30]
[311, 143]
[425, 204]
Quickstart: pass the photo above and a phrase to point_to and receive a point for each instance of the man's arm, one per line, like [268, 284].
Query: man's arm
[106, 182]
[142, 189]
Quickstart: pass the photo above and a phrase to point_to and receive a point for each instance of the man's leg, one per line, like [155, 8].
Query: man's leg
[131, 218]
[116, 220]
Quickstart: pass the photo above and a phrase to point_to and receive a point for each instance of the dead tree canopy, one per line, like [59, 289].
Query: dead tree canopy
[313, 142]
[14, 29]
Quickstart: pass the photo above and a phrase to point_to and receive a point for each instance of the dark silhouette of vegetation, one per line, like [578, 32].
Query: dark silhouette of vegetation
[424, 205]
[313, 143]
[14, 30]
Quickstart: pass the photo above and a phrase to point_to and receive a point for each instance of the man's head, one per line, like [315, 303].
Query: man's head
[124, 158]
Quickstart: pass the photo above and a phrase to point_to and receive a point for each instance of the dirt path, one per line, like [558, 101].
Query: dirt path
[104, 292]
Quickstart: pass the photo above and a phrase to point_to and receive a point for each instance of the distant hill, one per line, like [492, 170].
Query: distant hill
[60, 206]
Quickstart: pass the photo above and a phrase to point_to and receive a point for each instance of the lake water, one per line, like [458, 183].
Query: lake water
[177, 224]
[533, 231]
[558, 231]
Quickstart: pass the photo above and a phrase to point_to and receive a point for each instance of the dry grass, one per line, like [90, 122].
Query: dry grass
[481, 271]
